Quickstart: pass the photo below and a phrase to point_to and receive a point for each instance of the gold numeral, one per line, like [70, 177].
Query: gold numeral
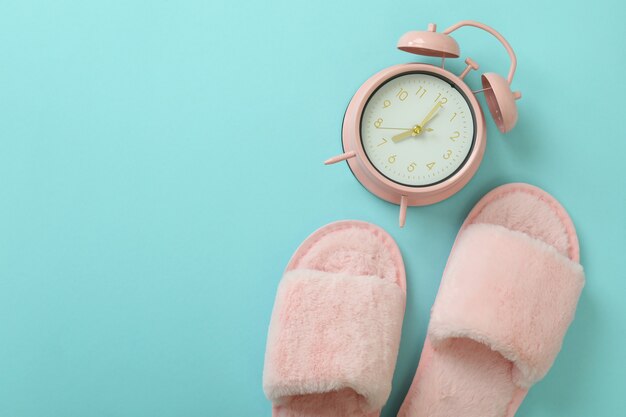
[448, 154]
[455, 135]
[453, 116]
[391, 159]
[438, 95]
[402, 94]
[386, 104]
[421, 90]
[378, 123]
[411, 167]
[444, 100]
[382, 143]
[430, 165]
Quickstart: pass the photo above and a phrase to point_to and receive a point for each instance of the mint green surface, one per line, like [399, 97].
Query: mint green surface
[160, 161]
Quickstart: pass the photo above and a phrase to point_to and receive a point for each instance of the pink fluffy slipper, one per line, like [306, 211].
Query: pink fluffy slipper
[335, 330]
[507, 297]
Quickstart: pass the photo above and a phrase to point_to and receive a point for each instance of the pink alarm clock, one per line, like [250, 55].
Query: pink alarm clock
[414, 134]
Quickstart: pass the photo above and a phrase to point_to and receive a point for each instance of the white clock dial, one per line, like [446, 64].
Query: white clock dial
[417, 129]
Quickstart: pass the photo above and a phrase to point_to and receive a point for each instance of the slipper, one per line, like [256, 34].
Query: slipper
[335, 329]
[508, 294]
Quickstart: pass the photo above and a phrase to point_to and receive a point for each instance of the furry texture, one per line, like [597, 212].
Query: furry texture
[534, 217]
[355, 251]
[331, 331]
[513, 293]
[462, 378]
[509, 293]
[335, 329]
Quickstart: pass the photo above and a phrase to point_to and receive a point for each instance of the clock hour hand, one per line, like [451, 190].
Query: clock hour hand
[416, 130]
[404, 135]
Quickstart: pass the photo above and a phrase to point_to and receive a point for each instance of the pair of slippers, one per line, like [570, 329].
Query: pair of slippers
[508, 294]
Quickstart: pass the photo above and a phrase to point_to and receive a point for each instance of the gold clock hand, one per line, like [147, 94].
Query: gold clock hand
[418, 129]
[401, 128]
[401, 136]
[432, 114]
[411, 132]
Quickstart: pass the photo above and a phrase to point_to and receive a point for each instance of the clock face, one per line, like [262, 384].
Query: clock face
[417, 129]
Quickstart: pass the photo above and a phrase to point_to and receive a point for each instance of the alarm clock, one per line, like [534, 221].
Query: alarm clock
[414, 134]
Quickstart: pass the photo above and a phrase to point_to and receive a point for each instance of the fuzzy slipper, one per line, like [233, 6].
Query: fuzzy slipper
[335, 330]
[507, 297]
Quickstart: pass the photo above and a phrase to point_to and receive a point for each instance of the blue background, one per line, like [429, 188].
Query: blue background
[160, 161]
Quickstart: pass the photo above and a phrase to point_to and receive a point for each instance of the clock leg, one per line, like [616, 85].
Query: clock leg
[403, 205]
[340, 158]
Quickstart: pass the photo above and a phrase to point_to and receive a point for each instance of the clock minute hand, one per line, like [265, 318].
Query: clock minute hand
[431, 114]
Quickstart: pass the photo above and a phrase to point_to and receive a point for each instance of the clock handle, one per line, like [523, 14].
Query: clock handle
[493, 32]
[497, 89]
[403, 206]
